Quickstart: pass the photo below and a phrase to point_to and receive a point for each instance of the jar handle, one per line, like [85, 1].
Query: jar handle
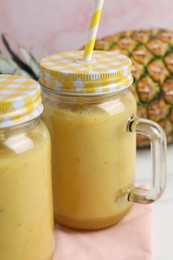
[158, 153]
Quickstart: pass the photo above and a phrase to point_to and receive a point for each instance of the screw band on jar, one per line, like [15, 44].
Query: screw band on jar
[108, 72]
[20, 100]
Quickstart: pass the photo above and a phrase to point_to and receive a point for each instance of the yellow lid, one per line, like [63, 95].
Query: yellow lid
[20, 100]
[68, 73]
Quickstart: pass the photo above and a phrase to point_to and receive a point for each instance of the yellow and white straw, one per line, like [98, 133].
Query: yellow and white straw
[93, 28]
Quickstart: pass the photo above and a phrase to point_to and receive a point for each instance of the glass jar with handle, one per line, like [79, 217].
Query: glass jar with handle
[91, 115]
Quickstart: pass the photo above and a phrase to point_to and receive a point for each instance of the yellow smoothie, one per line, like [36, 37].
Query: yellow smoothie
[26, 222]
[93, 159]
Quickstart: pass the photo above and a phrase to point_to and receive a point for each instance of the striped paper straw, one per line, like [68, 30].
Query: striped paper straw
[93, 28]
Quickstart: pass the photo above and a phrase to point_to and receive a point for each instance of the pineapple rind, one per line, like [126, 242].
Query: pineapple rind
[151, 52]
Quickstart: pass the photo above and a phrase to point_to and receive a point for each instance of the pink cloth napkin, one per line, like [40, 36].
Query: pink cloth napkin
[128, 240]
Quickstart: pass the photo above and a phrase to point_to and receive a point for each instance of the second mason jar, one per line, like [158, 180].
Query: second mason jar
[90, 113]
[26, 203]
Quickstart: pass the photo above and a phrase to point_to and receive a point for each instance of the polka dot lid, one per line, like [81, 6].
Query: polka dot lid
[20, 100]
[67, 73]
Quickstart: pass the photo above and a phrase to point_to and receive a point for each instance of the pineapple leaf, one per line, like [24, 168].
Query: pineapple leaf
[5, 65]
[21, 72]
[30, 60]
[16, 59]
[8, 66]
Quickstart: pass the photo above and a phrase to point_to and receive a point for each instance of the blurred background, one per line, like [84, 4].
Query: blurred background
[49, 26]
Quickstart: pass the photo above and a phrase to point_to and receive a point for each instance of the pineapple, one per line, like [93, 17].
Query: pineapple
[151, 52]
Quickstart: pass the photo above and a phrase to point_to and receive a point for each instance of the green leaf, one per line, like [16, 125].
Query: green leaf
[6, 67]
[30, 60]
[18, 60]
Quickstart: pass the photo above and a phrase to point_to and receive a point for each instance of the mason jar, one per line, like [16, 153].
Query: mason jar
[91, 115]
[26, 207]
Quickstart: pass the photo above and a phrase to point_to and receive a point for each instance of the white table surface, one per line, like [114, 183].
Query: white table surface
[162, 215]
